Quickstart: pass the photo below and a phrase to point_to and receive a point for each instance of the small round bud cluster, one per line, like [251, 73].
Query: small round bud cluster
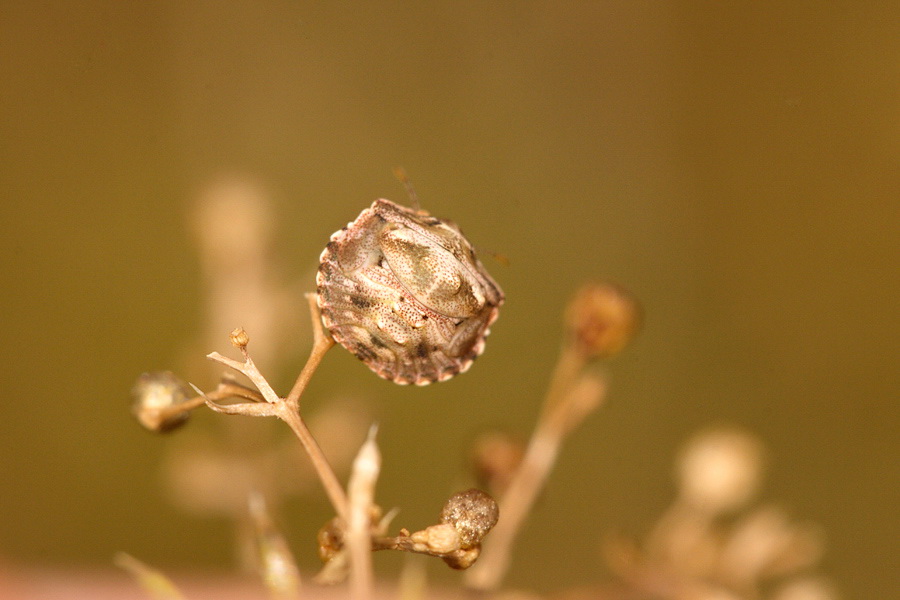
[473, 514]
[239, 338]
[602, 319]
[157, 396]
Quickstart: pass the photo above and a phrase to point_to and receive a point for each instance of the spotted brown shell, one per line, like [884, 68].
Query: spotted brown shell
[405, 292]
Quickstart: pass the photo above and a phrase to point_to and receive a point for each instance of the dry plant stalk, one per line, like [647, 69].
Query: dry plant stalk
[563, 411]
[357, 529]
[415, 287]
[287, 408]
[405, 292]
[154, 582]
[346, 543]
[600, 320]
[275, 561]
[361, 490]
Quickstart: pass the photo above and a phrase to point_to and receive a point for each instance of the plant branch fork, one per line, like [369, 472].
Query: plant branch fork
[270, 404]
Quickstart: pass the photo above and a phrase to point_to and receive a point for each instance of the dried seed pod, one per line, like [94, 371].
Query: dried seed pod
[495, 457]
[437, 539]
[239, 338]
[157, 396]
[601, 319]
[473, 514]
[405, 292]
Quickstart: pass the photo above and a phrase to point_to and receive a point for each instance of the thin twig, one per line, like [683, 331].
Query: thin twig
[232, 389]
[569, 365]
[570, 398]
[361, 488]
[248, 368]
[224, 391]
[329, 480]
[322, 343]
[157, 585]
[275, 561]
[287, 409]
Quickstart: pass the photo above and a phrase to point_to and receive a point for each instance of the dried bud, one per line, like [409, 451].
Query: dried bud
[239, 338]
[496, 457]
[719, 470]
[158, 397]
[601, 319]
[437, 539]
[330, 539]
[473, 513]
[463, 558]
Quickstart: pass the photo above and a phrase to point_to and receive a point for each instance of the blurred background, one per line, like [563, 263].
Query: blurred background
[734, 166]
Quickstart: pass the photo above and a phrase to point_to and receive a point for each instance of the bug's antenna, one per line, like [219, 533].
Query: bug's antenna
[402, 177]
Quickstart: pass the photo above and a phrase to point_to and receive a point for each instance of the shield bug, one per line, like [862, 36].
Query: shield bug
[405, 292]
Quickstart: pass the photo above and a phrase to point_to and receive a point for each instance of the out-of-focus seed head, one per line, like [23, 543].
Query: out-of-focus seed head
[495, 458]
[719, 470]
[157, 396]
[601, 319]
[473, 514]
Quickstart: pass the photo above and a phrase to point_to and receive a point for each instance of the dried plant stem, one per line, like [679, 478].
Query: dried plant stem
[572, 395]
[274, 560]
[366, 468]
[249, 369]
[569, 365]
[329, 480]
[224, 391]
[287, 409]
[322, 342]
[230, 389]
[154, 582]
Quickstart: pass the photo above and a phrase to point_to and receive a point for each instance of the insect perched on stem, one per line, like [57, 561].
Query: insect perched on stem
[405, 292]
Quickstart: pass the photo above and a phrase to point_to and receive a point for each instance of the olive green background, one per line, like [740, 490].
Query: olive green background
[735, 165]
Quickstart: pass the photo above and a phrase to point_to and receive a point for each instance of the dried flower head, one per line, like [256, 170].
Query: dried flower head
[601, 319]
[239, 338]
[158, 399]
[405, 292]
[437, 539]
[473, 514]
[495, 457]
[719, 470]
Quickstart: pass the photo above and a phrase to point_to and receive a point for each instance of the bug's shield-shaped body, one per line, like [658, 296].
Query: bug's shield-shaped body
[405, 292]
